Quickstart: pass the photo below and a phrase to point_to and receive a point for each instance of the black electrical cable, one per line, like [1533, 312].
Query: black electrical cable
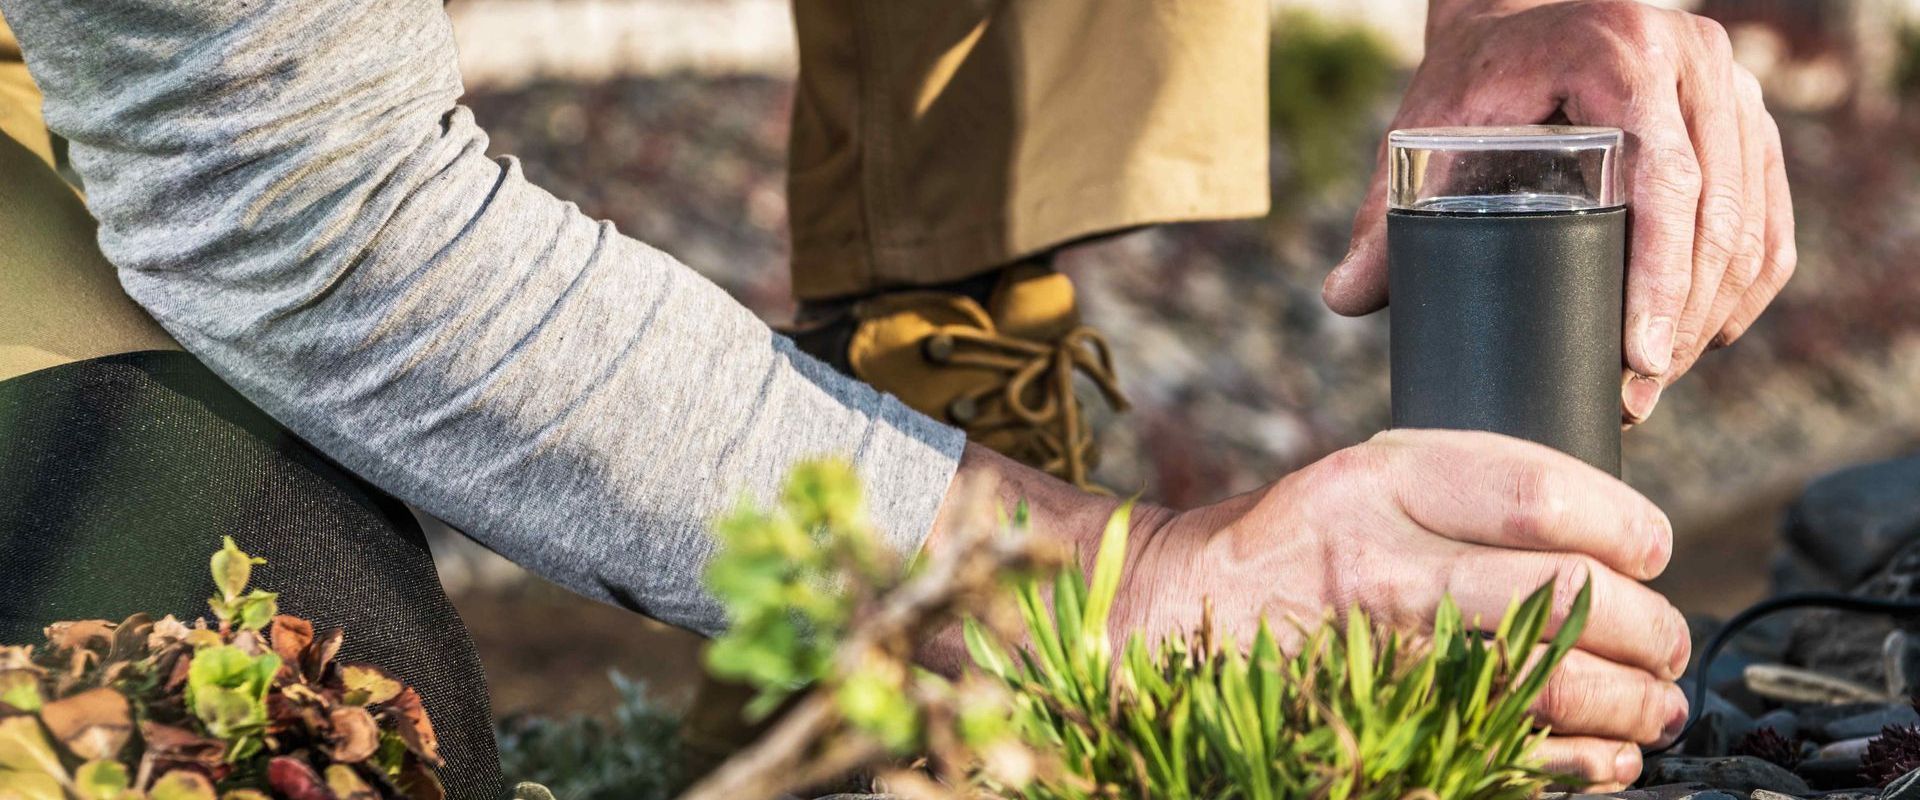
[1834, 600]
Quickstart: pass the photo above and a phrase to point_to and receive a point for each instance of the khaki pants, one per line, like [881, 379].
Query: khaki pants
[934, 140]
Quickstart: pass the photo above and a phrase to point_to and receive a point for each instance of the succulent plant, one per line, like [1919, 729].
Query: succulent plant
[248, 703]
[1768, 745]
[1895, 752]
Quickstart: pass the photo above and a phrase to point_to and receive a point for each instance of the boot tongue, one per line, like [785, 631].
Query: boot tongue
[1033, 302]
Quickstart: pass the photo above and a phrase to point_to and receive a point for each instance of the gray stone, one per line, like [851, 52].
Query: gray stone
[1720, 727]
[1849, 749]
[1715, 794]
[1763, 794]
[1669, 791]
[1736, 773]
[1900, 660]
[1868, 724]
[1905, 787]
[1851, 522]
[1831, 773]
[531, 791]
[1782, 721]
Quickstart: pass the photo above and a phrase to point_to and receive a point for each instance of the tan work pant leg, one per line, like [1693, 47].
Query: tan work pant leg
[934, 140]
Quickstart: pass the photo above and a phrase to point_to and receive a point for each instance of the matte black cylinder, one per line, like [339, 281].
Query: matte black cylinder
[1510, 323]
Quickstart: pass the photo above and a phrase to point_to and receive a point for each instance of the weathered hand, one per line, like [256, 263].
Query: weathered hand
[1392, 525]
[1712, 226]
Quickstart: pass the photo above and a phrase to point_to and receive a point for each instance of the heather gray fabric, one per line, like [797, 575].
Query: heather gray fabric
[289, 187]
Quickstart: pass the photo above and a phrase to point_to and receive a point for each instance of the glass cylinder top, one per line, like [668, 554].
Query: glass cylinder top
[1526, 169]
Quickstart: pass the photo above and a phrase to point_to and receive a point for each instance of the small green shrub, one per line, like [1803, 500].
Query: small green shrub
[1353, 713]
[634, 755]
[1324, 82]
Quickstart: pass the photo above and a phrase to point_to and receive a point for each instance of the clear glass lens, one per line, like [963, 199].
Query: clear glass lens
[1522, 169]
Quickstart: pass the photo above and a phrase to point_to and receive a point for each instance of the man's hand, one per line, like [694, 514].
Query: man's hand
[1712, 237]
[1390, 527]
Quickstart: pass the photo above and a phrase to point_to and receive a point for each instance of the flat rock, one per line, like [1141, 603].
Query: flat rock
[1733, 773]
[1783, 721]
[1763, 794]
[1851, 749]
[1833, 773]
[1849, 523]
[1868, 724]
[1720, 727]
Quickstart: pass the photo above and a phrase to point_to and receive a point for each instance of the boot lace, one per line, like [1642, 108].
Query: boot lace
[1035, 391]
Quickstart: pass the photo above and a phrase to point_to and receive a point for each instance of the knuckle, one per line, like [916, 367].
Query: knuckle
[1673, 171]
[1537, 507]
[1565, 699]
[1570, 576]
[1713, 36]
[1721, 226]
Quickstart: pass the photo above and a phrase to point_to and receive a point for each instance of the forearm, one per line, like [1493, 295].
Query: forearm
[293, 192]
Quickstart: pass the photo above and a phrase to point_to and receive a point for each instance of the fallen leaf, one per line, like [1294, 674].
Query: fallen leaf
[182, 784]
[320, 653]
[290, 636]
[294, 779]
[347, 784]
[414, 727]
[353, 737]
[94, 724]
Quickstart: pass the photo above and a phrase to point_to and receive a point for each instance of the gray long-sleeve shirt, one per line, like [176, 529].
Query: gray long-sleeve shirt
[291, 190]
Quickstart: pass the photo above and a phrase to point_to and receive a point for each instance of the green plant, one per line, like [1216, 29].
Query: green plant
[634, 755]
[1324, 81]
[1352, 713]
[251, 703]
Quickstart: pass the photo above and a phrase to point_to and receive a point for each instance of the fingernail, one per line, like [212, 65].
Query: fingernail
[1660, 549]
[1682, 649]
[1638, 397]
[1626, 765]
[1656, 344]
[1677, 722]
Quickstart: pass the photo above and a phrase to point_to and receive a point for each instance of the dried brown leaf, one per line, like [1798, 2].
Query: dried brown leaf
[294, 779]
[413, 726]
[94, 724]
[353, 736]
[320, 653]
[290, 636]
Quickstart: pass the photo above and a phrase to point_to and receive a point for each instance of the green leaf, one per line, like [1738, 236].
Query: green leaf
[29, 786]
[20, 688]
[1104, 586]
[231, 569]
[181, 785]
[100, 780]
[254, 611]
[227, 690]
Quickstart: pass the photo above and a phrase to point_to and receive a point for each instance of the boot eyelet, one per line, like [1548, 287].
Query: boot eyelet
[962, 410]
[938, 347]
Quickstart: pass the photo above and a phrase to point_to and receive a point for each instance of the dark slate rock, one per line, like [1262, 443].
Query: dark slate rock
[1868, 724]
[1851, 522]
[1735, 773]
[1832, 773]
[1782, 720]
[1715, 794]
[1905, 787]
[1720, 727]
[1815, 718]
[1900, 660]
[1669, 791]
[1762, 794]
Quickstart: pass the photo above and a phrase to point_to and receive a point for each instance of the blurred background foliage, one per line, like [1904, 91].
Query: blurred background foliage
[669, 117]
